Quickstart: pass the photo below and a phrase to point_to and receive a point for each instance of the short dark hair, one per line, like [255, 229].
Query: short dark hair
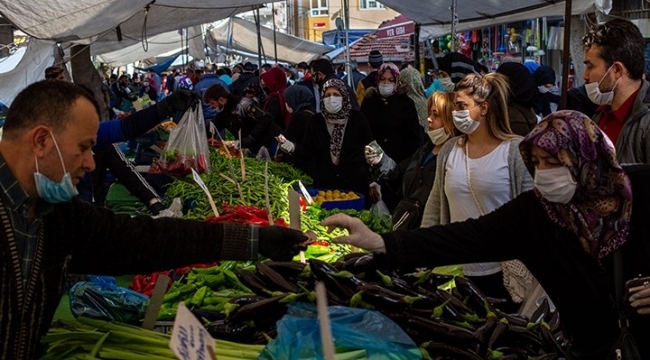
[619, 40]
[215, 92]
[114, 76]
[322, 65]
[47, 102]
[53, 72]
[124, 77]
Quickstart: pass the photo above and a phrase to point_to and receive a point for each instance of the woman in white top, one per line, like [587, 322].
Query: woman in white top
[478, 172]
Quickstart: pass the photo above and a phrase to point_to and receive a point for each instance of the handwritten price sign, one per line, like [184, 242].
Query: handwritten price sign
[190, 340]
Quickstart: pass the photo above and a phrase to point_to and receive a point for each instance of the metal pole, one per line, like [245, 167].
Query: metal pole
[566, 53]
[453, 25]
[259, 38]
[348, 67]
[275, 42]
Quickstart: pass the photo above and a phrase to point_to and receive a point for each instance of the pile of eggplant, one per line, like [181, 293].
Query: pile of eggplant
[462, 324]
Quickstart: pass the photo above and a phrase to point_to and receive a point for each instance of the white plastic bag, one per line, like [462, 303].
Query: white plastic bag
[187, 147]
[379, 209]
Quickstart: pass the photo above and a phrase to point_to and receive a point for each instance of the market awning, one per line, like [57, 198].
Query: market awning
[435, 18]
[239, 34]
[82, 21]
[38, 56]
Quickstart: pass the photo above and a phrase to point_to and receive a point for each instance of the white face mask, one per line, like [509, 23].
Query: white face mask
[386, 90]
[598, 97]
[463, 122]
[542, 89]
[438, 136]
[556, 185]
[301, 74]
[447, 84]
[333, 104]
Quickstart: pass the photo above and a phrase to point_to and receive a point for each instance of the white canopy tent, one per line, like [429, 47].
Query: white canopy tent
[241, 35]
[435, 17]
[38, 55]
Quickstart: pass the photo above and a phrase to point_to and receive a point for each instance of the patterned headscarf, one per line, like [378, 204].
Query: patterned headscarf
[410, 78]
[600, 210]
[339, 119]
[393, 69]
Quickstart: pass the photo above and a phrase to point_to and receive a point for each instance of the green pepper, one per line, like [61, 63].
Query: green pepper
[198, 297]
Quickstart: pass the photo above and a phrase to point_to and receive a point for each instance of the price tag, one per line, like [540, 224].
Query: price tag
[304, 191]
[199, 181]
[190, 340]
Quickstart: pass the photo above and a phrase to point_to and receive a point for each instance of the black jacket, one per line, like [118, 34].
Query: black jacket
[295, 132]
[394, 123]
[413, 178]
[237, 87]
[580, 288]
[522, 118]
[255, 133]
[352, 172]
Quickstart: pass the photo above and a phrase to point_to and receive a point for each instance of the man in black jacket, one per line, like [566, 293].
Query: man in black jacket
[247, 77]
[321, 71]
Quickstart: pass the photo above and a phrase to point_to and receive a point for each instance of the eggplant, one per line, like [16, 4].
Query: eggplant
[246, 299]
[435, 349]
[513, 319]
[553, 321]
[252, 281]
[541, 312]
[548, 337]
[260, 308]
[237, 332]
[438, 328]
[518, 353]
[287, 269]
[322, 271]
[273, 278]
[467, 288]
[450, 310]
[499, 330]
[483, 333]
[383, 298]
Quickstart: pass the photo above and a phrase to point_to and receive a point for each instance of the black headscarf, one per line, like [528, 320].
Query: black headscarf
[298, 97]
[522, 83]
[544, 75]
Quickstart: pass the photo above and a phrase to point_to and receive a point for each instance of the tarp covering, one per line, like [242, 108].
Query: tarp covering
[435, 17]
[159, 44]
[9, 63]
[241, 35]
[38, 56]
[65, 20]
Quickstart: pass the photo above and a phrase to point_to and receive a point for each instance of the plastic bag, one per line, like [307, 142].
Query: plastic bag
[175, 210]
[379, 209]
[299, 334]
[101, 298]
[187, 147]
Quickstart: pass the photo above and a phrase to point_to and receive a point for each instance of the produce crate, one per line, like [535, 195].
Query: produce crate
[164, 327]
[355, 204]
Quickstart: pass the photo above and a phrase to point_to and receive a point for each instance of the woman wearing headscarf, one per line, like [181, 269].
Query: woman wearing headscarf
[411, 81]
[392, 115]
[520, 102]
[567, 231]
[298, 101]
[274, 82]
[334, 142]
[545, 80]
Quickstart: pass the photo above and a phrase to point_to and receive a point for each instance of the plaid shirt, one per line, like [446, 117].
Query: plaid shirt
[25, 230]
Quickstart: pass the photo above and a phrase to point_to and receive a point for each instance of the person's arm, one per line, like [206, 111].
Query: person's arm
[126, 174]
[142, 121]
[507, 233]
[101, 242]
[263, 125]
[437, 199]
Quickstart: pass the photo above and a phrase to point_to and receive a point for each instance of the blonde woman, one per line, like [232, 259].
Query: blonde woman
[414, 175]
[478, 172]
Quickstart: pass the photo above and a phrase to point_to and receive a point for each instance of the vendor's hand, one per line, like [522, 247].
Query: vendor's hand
[179, 100]
[280, 243]
[373, 153]
[285, 145]
[640, 300]
[360, 236]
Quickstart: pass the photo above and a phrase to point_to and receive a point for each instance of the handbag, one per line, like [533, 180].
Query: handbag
[625, 347]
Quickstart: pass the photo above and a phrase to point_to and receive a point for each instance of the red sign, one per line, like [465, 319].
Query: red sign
[396, 30]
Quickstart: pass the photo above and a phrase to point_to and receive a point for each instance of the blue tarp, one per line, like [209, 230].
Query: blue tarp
[161, 67]
[337, 37]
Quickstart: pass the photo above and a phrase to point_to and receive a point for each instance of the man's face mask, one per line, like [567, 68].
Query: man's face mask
[53, 192]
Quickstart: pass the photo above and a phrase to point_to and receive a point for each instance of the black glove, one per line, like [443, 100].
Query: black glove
[280, 243]
[156, 208]
[179, 100]
[248, 108]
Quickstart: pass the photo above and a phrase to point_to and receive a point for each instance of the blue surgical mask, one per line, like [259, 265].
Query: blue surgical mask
[53, 192]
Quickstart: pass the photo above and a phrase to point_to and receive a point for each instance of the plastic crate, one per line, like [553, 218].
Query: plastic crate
[356, 204]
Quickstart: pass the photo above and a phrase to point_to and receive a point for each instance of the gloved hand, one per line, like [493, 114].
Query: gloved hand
[285, 145]
[360, 235]
[280, 243]
[373, 153]
[179, 100]
[640, 300]
[156, 208]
